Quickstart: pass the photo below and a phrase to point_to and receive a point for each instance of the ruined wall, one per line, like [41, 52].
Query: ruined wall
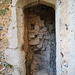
[41, 35]
[15, 54]
[38, 45]
[65, 35]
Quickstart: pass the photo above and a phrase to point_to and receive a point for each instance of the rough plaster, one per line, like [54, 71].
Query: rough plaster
[71, 41]
[58, 56]
[16, 57]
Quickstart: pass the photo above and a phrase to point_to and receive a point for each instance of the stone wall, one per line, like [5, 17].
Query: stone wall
[41, 36]
[71, 37]
[65, 32]
[63, 29]
[12, 26]
[5, 20]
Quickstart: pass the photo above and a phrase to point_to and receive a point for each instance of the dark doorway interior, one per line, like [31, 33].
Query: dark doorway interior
[41, 55]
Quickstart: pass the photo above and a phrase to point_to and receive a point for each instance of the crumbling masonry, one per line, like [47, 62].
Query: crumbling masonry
[38, 37]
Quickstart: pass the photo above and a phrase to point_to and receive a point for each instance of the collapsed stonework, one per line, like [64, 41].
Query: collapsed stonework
[41, 37]
[17, 50]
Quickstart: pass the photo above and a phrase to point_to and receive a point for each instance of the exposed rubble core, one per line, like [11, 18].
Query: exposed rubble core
[41, 37]
[30, 47]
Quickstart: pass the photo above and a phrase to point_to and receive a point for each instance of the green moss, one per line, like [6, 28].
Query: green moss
[6, 8]
[2, 12]
[10, 66]
[7, 1]
[3, 24]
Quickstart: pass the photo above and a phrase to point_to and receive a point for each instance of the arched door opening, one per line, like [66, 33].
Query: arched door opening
[41, 53]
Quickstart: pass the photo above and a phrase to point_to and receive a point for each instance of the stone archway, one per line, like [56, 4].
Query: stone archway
[16, 53]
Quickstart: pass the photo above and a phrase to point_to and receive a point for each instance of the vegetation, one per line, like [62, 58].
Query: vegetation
[4, 6]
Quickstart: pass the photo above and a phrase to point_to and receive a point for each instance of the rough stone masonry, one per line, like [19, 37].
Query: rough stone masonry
[12, 32]
[41, 35]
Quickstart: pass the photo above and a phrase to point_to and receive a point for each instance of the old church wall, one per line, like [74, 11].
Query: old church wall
[12, 41]
[65, 21]
[62, 21]
[71, 36]
[41, 37]
[16, 43]
[63, 36]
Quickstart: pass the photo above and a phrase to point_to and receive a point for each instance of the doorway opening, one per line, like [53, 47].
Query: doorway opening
[40, 42]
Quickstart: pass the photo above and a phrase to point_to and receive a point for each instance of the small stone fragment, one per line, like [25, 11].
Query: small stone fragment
[34, 41]
[1, 28]
[31, 35]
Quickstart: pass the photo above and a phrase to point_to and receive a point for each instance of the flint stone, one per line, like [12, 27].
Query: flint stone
[42, 72]
[41, 44]
[40, 36]
[46, 33]
[1, 28]
[0, 45]
[42, 23]
[44, 45]
[0, 39]
[37, 27]
[47, 37]
[34, 65]
[43, 30]
[31, 35]
[43, 48]
[35, 41]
